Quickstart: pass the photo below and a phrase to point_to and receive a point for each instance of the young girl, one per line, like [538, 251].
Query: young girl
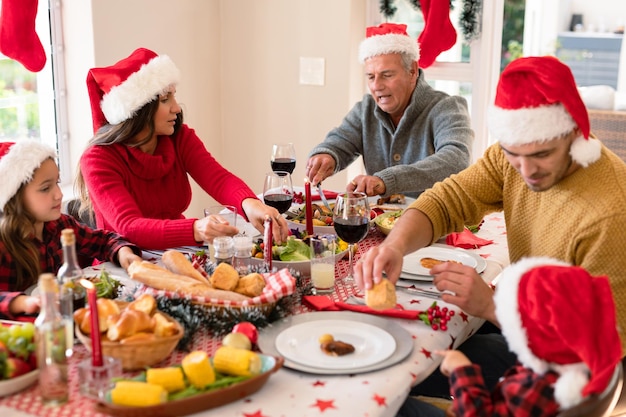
[31, 223]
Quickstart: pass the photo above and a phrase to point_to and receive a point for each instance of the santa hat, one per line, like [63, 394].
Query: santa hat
[558, 317]
[18, 162]
[537, 100]
[388, 38]
[118, 91]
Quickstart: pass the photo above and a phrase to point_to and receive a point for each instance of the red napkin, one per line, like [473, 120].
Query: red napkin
[323, 303]
[466, 240]
[328, 194]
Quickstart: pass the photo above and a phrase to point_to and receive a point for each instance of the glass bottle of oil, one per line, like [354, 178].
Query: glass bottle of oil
[72, 294]
[51, 342]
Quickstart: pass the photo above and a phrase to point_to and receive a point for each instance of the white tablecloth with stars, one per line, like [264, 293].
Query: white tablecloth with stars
[290, 393]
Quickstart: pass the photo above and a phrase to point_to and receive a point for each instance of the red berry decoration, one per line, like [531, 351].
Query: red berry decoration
[437, 318]
[247, 329]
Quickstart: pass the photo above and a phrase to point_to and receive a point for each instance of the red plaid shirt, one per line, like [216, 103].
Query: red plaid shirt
[91, 244]
[520, 393]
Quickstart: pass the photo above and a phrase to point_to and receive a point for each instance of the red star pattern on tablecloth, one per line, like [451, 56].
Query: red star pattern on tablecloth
[319, 383]
[258, 413]
[451, 346]
[427, 353]
[414, 301]
[323, 405]
[463, 316]
[380, 400]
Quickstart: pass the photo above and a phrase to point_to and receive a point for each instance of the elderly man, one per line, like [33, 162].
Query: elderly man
[562, 193]
[410, 135]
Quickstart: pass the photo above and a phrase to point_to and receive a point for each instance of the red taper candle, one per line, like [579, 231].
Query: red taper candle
[268, 242]
[308, 207]
[96, 343]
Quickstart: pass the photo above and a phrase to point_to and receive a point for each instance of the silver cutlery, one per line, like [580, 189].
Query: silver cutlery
[323, 197]
[420, 291]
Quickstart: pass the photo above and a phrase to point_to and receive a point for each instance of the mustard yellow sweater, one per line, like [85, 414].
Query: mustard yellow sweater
[581, 220]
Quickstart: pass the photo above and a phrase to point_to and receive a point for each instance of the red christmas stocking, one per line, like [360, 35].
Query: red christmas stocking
[18, 39]
[438, 34]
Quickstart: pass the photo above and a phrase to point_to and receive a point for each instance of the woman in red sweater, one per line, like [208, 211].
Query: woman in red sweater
[134, 172]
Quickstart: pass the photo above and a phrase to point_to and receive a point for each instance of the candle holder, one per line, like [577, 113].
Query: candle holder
[95, 381]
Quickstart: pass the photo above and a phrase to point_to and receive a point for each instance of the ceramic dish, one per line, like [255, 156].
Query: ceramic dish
[403, 339]
[200, 402]
[382, 221]
[13, 385]
[303, 267]
[300, 343]
[481, 266]
[412, 263]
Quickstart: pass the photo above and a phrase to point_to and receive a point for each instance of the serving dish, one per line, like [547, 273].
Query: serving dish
[382, 221]
[404, 341]
[199, 402]
[13, 385]
[303, 267]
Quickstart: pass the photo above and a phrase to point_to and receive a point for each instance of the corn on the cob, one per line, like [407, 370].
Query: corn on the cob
[198, 369]
[170, 378]
[138, 394]
[235, 361]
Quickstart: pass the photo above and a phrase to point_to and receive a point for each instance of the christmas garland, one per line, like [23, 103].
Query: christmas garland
[468, 19]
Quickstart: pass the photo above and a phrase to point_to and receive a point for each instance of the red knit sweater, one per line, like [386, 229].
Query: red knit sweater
[143, 196]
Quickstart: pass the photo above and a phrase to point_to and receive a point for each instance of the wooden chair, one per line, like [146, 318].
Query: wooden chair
[610, 127]
[600, 405]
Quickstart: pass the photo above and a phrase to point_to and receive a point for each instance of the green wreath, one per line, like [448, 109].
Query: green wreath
[468, 18]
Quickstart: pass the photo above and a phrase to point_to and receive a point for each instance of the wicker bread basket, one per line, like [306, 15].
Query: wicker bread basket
[139, 355]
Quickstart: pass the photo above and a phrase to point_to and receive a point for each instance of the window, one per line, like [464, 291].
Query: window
[32, 104]
[468, 69]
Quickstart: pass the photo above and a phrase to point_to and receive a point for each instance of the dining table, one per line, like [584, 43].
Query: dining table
[298, 391]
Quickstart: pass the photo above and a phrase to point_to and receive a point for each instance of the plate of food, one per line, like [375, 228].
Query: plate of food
[404, 343]
[335, 344]
[294, 254]
[420, 262]
[185, 398]
[18, 360]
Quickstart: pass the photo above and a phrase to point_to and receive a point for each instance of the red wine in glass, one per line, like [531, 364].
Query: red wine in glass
[284, 164]
[280, 202]
[352, 229]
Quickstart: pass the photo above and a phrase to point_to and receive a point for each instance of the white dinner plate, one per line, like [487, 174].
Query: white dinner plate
[300, 344]
[404, 341]
[411, 266]
[13, 385]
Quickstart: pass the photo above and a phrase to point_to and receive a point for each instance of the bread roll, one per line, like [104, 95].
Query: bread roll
[145, 303]
[225, 277]
[106, 308]
[178, 263]
[162, 279]
[381, 296]
[129, 323]
[251, 285]
[162, 326]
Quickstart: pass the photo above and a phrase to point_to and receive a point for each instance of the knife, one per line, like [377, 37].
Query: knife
[419, 291]
[323, 197]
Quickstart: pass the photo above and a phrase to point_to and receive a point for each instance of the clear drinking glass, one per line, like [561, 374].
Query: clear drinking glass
[351, 216]
[323, 264]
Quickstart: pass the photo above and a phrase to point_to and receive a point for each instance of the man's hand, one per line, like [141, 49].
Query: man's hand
[368, 184]
[471, 293]
[319, 167]
[369, 269]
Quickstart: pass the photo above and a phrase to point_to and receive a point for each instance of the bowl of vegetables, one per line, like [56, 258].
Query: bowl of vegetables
[294, 254]
[386, 221]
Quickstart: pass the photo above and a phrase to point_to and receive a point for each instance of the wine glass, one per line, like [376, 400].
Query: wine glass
[351, 216]
[278, 190]
[283, 157]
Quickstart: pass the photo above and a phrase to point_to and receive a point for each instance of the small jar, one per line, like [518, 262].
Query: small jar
[243, 252]
[224, 249]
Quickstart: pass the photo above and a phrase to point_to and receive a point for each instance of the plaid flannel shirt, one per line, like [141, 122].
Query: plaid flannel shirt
[520, 393]
[91, 244]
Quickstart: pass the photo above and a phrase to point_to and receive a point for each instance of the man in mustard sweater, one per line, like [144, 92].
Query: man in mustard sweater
[562, 193]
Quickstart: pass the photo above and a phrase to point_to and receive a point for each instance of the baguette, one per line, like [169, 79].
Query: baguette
[162, 279]
[178, 263]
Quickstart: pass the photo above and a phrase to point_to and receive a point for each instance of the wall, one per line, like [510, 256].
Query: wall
[600, 15]
[240, 69]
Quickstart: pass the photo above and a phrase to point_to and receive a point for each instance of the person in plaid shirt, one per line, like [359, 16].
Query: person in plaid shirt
[561, 323]
[31, 223]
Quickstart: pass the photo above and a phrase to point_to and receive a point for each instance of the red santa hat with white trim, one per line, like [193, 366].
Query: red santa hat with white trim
[537, 100]
[388, 38]
[18, 162]
[558, 317]
[117, 92]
